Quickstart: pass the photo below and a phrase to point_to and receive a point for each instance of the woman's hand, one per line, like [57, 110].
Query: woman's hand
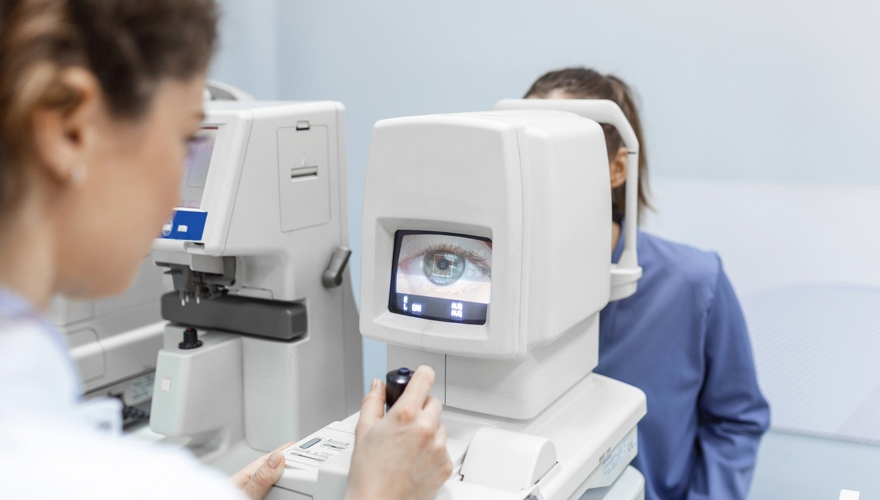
[256, 478]
[403, 455]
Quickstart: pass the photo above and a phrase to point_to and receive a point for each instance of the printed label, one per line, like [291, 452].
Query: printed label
[142, 388]
[614, 458]
[316, 450]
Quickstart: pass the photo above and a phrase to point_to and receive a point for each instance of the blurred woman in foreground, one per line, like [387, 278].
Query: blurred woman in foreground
[98, 102]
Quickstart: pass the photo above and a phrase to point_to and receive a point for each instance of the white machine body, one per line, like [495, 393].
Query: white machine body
[530, 212]
[487, 256]
[536, 184]
[256, 252]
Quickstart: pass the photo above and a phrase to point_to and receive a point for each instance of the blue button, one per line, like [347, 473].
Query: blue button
[185, 225]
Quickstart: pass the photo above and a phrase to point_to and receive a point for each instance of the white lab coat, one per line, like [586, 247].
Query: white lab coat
[53, 446]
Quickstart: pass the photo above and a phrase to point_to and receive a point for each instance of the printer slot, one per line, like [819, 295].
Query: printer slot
[301, 173]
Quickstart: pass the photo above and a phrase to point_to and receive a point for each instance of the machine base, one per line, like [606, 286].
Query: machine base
[592, 427]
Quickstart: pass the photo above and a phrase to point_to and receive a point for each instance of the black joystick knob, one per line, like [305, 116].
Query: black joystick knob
[395, 383]
[190, 339]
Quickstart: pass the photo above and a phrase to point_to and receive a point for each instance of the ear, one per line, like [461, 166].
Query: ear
[618, 168]
[62, 133]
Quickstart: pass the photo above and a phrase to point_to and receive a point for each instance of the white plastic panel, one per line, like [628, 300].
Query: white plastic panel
[531, 182]
[86, 351]
[567, 229]
[521, 388]
[303, 177]
[198, 390]
[507, 460]
[63, 311]
[415, 181]
[146, 290]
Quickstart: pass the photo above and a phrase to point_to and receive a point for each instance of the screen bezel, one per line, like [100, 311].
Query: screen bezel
[392, 292]
[234, 122]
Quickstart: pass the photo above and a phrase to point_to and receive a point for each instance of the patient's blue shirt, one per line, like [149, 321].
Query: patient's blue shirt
[682, 339]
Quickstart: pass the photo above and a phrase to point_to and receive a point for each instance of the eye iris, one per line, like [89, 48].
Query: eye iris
[443, 267]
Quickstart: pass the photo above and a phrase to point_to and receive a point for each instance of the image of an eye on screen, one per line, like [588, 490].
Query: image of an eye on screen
[441, 276]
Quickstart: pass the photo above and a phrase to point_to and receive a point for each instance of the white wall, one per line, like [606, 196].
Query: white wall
[248, 51]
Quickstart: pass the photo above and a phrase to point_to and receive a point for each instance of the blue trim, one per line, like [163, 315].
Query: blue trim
[185, 225]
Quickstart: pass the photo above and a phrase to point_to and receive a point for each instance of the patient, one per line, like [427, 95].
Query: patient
[681, 338]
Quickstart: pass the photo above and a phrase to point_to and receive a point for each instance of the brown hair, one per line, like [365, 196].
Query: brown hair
[584, 83]
[129, 45]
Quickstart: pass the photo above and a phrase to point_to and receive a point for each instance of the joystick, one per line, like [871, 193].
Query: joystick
[395, 383]
[190, 339]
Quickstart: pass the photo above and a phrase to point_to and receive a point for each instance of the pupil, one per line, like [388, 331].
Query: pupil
[443, 267]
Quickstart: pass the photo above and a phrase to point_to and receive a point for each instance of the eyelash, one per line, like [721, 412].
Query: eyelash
[457, 249]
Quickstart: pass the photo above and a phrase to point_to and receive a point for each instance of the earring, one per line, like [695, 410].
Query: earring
[77, 174]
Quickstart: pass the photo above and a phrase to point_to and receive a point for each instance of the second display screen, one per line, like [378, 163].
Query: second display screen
[195, 171]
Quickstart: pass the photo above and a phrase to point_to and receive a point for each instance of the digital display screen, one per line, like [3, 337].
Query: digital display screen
[195, 170]
[441, 276]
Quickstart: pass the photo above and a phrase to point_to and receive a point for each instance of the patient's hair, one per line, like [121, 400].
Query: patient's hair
[585, 83]
[130, 46]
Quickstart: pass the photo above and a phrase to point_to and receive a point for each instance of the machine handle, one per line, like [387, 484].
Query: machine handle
[333, 275]
[625, 274]
[395, 383]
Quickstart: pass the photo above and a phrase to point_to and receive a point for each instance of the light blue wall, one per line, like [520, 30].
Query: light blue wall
[746, 90]
[754, 90]
[248, 55]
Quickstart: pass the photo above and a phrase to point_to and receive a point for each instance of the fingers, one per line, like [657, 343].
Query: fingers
[279, 449]
[416, 392]
[441, 435]
[372, 408]
[432, 410]
[440, 444]
[264, 477]
[241, 478]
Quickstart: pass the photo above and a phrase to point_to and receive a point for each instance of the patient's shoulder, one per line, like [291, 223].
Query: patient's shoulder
[687, 265]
